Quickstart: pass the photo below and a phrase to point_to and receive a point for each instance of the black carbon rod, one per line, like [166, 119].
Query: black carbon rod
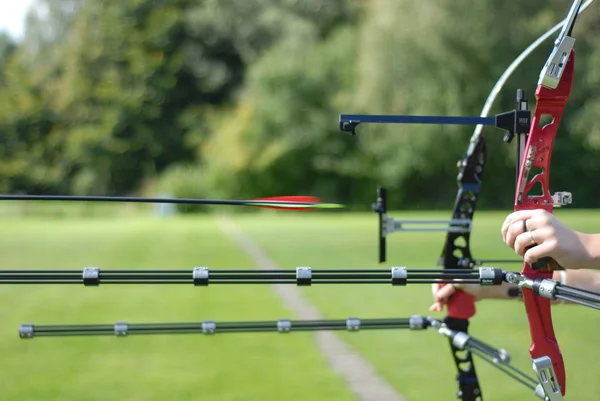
[578, 293]
[554, 290]
[202, 276]
[120, 329]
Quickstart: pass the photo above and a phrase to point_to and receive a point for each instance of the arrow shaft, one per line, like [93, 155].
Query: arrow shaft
[132, 199]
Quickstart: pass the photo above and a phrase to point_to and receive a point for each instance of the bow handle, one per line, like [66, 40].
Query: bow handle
[546, 264]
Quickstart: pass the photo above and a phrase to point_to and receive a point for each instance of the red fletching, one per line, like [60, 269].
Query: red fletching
[288, 199]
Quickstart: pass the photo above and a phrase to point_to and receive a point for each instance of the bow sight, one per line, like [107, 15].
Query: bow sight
[469, 178]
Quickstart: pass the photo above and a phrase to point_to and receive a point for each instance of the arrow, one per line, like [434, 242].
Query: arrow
[298, 203]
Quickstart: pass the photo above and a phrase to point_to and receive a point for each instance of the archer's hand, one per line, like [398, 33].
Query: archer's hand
[478, 292]
[553, 239]
[441, 295]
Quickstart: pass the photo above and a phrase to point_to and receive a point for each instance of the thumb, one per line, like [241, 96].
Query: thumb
[536, 252]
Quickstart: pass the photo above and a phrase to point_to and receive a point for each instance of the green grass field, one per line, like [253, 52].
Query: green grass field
[265, 366]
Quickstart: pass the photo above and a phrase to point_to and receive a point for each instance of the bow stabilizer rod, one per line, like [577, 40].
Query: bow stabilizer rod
[301, 276]
[120, 329]
[554, 290]
[497, 357]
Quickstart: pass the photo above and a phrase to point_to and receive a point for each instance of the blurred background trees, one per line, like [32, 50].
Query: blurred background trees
[226, 98]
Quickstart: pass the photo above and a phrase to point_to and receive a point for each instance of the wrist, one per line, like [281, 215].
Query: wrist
[560, 276]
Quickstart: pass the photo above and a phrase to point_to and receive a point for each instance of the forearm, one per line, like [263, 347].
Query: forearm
[591, 243]
[585, 279]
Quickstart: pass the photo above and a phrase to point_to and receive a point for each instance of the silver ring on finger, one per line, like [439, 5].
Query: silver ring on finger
[531, 238]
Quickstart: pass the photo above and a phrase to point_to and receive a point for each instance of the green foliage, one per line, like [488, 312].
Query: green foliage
[183, 181]
[284, 128]
[31, 134]
[103, 97]
[440, 58]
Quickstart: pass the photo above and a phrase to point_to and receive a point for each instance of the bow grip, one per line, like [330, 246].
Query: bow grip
[545, 263]
[460, 305]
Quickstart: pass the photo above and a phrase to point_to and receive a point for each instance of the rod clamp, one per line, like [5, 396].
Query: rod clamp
[284, 325]
[353, 324]
[303, 276]
[201, 276]
[91, 276]
[546, 288]
[209, 327]
[416, 322]
[26, 330]
[121, 329]
[399, 275]
[490, 276]
[460, 339]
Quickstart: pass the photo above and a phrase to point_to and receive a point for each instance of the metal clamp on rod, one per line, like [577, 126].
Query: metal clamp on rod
[303, 276]
[545, 288]
[491, 276]
[553, 290]
[121, 329]
[399, 275]
[91, 276]
[26, 330]
[209, 327]
[417, 322]
[201, 276]
[353, 324]
[284, 325]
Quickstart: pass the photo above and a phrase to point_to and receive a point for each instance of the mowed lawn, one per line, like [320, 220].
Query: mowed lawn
[145, 368]
[418, 363]
[253, 366]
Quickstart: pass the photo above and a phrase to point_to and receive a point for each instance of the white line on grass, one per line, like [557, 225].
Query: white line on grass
[361, 377]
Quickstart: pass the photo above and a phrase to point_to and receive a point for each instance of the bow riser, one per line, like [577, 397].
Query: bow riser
[536, 157]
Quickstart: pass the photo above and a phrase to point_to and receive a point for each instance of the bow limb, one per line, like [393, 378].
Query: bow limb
[456, 254]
